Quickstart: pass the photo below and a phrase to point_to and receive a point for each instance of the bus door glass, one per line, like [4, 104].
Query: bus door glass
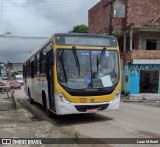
[50, 79]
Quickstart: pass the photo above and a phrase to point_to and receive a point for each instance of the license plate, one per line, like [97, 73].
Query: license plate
[92, 110]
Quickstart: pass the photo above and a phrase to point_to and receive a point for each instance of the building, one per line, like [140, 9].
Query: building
[3, 69]
[17, 67]
[136, 24]
[14, 68]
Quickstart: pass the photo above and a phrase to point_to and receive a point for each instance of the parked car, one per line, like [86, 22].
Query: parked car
[15, 84]
[2, 86]
[19, 78]
[4, 77]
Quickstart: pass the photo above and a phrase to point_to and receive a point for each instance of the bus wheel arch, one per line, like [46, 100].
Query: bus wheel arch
[45, 106]
[44, 101]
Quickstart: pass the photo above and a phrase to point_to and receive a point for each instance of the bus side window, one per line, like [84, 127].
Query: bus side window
[49, 47]
[35, 65]
[38, 64]
[32, 69]
[24, 71]
[44, 58]
[28, 68]
[42, 61]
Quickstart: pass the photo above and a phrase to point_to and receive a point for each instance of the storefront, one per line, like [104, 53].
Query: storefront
[142, 78]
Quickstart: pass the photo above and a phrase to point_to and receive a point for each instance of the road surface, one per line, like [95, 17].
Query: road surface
[130, 121]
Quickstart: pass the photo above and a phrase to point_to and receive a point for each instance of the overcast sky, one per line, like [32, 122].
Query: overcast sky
[37, 18]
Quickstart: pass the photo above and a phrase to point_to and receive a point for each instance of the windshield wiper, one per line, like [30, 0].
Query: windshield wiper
[76, 58]
[62, 64]
[114, 73]
[99, 59]
[102, 55]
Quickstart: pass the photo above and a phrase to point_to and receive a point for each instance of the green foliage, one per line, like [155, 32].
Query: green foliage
[77, 137]
[80, 29]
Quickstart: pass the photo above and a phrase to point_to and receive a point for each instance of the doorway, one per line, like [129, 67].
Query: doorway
[50, 81]
[149, 80]
[151, 44]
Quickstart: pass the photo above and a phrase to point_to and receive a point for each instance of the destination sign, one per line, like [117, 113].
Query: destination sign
[86, 41]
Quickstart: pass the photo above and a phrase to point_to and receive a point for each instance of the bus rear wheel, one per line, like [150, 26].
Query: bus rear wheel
[30, 98]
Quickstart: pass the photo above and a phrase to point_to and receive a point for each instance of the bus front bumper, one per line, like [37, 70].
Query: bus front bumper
[78, 108]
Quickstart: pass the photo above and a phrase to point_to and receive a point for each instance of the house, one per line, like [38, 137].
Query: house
[17, 67]
[14, 68]
[3, 69]
[136, 24]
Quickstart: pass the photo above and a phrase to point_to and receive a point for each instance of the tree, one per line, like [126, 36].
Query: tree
[80, 29]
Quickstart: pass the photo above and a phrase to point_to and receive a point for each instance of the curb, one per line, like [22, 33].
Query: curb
[143, 101]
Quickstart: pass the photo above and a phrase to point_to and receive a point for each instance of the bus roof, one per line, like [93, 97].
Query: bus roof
[37, 50]
[84, 34]
[80, 39]
[67, 34]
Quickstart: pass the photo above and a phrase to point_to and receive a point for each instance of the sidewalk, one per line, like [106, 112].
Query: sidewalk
[142, 97]
[20, 123]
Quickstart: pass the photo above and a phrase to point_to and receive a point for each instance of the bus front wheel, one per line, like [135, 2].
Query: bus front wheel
[48, 112]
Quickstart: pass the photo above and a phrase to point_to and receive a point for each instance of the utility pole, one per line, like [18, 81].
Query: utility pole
[111, 15]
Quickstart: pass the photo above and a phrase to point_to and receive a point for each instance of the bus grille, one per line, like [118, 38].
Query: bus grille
[84, 108]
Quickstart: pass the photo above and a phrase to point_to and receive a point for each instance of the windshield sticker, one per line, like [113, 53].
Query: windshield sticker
[107, 53]
[106, 81]
[88, 80]
[96, 53]
[114, 40]
[99, 53]
[84, 53]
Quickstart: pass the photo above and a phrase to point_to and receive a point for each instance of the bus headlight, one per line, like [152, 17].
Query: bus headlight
[63, 98]
[117, 95]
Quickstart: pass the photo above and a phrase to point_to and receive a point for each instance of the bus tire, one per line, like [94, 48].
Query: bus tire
[48, 112]
[30, 99]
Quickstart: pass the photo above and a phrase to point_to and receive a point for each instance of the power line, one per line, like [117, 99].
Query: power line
[55, 4]
[62, 1]
[1, 15]
[46, 2]
[48, 6]
[22, 37]
[55, 1]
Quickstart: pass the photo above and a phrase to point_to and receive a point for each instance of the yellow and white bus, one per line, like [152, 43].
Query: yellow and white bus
[74, 73]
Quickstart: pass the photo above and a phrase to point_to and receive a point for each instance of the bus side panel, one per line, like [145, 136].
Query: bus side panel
[29, 86]
[38, 96]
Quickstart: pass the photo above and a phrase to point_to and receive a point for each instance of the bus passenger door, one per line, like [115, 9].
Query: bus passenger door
[32, 81]
[50, 80]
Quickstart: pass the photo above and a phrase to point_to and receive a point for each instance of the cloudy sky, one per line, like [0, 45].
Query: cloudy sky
[37, 18]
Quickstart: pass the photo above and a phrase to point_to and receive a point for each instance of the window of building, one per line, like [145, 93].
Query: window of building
[119, 10]
[151, 44]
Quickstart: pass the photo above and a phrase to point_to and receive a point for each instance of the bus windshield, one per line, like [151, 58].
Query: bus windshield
[82, 69]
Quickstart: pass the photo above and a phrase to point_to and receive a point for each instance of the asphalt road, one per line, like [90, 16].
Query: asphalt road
[132, 120]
